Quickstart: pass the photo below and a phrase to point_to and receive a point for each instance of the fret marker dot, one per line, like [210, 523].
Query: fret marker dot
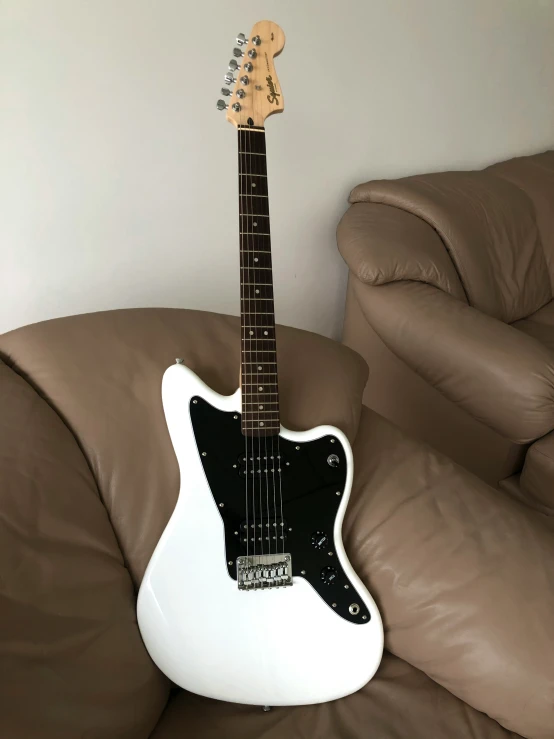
[259, 367]
[265, 333]
[251, 333]
[261, 423]
[255, 259]
[261, 407]
[260, 388]
[253, 184]
[257, 293]
[255, 224]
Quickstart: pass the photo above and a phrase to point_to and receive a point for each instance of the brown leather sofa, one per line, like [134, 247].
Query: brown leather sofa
[450, 300]
[463, 574]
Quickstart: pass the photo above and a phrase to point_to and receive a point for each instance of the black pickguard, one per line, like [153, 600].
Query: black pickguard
[312, 490]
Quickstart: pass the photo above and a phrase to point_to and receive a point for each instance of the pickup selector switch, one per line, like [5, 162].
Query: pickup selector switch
[329, 575]
[320, 540]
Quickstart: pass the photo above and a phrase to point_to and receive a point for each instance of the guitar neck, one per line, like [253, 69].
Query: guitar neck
[260, 394]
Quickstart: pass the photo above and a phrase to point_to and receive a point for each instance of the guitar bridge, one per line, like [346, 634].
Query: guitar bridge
[264, 571]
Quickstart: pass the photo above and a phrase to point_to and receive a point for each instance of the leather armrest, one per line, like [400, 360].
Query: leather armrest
[462, 573]
[537, 477]
[381, 243]
[498, 374]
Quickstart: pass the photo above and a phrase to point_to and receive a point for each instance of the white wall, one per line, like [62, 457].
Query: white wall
[118, 175]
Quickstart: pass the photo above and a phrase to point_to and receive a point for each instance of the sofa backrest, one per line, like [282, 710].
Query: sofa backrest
[496, 224]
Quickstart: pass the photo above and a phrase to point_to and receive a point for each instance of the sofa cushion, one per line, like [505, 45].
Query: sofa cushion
[72, 663]
[535, 176]
[399, 703]
[103, 371]
[462, 573]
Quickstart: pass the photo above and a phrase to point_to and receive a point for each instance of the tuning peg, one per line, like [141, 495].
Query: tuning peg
[241, 39]
[221, 105]
[225, 91]
[233, 65]
[229, 79]
[238, 53]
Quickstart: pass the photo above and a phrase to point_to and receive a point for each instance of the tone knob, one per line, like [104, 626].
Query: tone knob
[329, 575]
[320, 540]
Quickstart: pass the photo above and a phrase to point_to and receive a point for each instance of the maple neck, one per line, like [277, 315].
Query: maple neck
[260, 393]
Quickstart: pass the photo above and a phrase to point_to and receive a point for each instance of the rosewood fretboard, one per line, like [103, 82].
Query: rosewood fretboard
[260, 394]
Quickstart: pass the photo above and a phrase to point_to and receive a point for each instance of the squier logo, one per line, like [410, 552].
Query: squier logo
[273, 96]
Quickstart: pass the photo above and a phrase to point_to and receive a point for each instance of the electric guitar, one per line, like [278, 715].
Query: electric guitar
[249, 596]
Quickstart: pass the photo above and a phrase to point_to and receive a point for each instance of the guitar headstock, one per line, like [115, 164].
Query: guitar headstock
[254, 91]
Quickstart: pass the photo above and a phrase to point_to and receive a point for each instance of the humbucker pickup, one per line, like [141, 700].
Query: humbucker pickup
[264, 571]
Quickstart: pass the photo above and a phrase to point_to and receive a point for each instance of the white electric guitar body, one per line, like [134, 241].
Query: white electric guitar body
[249, 596]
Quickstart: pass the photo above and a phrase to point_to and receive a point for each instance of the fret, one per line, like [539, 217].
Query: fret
[255, 412]
[268, 402]
[253, 205]
[263, 393]
[252, 153]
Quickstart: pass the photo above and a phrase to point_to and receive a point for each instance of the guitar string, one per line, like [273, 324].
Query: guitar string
[264, 293]
[244, 373]
[251, 277]
[256, 331]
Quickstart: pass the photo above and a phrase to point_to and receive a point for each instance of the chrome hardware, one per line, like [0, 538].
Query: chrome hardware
[221, 105]
[267, 708]
[238, 53]
[225, 91]
[179, 360]
[244, 80]
[333, 460]
[338, 492]
[248, 67]
[234, 65]
[264, 571]
[256, 41]
[236, 107]
[241, 39]
[252, 53]
[354, 609]
[229, 79]
[241, 93]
